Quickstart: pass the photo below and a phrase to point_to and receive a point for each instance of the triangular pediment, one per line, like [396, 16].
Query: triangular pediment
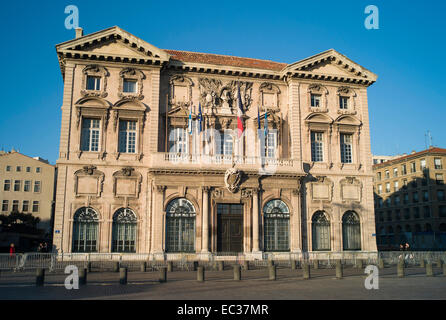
[112, 43]
[331, 64]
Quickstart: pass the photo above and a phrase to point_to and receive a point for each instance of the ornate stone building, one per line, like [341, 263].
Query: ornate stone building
[151, 160]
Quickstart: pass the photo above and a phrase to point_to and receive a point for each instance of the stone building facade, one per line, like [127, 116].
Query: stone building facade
[410, 201]
[151, 160]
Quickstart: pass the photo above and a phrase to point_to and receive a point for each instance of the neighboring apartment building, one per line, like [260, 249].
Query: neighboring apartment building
[151, 160]
[27, 186]
[410, 203]
[381, 159]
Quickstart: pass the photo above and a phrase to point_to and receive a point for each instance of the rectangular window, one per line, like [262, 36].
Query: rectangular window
[38, 170]
[439, 178]
[442, 211]
[129, 86]
[440, 195]
[8, 168]
[413, 168]
[415, 197]
[387, 174]
[28, 169]
[25, 206]
[346, 148]
[397, 200]
[37, 186]
[315, 100]
[378, 176]
[178, 140]
[5, 205]
[388, 187]
[406, 214]
[15, 205]
[380, 189]
[425, 196]
[389, 215]
[317, 147]
[93, 83]
[398, 215]
[403, 170]
[380, 202]
[7, 185]
[343, 102]
[127, 136]
[27, 186]
[404, 183]
[271, 145]
[438, 164]
[406, 198]
[90, 134]
[17, 185]
[416, 214]
[35, 206]
[387, 202]
[423, 164]
[226, 144]
[427, 212]
[396, 186]
[18, 169]
[395, 172]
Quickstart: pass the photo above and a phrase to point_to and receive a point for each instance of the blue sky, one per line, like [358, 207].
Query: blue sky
[407, 54]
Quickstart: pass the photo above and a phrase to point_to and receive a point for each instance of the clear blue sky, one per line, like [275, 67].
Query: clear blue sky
[407, 53]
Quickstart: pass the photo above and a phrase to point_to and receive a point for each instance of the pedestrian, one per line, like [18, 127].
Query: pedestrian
[39, 248]
[407, 246]
[12, 250]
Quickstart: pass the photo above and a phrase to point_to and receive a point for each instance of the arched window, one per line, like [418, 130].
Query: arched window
[351, 231]
[276, 226]
[85, 230]
[180, 226]
[321, 232]
[124, 231]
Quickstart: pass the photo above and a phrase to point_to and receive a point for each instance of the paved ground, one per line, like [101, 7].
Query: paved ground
[182, 285]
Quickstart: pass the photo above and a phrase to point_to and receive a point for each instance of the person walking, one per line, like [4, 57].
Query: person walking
[12, 250]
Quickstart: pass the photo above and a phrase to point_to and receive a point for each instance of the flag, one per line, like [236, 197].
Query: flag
[258, 117]
[190, 119]
[265, 124]
[239, 113]
[200, 118]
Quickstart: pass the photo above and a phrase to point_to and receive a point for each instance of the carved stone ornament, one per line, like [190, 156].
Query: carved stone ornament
[127, 171]
[135, 75]
[95, 71]
[217, 193]
[89, 170]
[246, 193]
[233, 178]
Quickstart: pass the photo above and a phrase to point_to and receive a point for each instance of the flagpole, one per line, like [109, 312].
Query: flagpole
[167, 107]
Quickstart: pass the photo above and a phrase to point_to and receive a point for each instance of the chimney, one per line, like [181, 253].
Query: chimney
[79, 32]
[413, 151]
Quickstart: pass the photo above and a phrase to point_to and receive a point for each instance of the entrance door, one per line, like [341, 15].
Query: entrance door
[229, 227]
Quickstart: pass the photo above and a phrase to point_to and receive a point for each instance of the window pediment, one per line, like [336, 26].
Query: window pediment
[269, 96]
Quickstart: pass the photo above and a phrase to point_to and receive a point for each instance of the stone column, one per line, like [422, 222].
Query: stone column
[205, 226]
[158, 223]
[255, 220]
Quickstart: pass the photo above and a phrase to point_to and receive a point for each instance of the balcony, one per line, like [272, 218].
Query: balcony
[213, 162]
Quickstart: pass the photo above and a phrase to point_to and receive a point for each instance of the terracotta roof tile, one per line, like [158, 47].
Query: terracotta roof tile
[217, 59]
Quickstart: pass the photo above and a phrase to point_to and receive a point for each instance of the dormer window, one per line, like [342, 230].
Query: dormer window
[129, 86]
[315, 100]
[93, 83]
[343, 102]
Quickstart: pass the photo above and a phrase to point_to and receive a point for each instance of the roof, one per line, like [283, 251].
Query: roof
[13, 152]
[432, 150]
[218, 59]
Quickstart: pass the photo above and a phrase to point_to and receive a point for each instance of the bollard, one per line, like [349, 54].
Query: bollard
[306, 270]
[123, 276]
[163, 275]
[170, 266]
[89, 266]
[315, 264]
[237, 273]
[195, 265]
[143, 266]
[245, 265]
[422, 263]
[272, 272]
[200, 274]
[293, 265]
[400, 268]
[83, 276]
[444, 269]
[429, 270]
[116, 267]
[359, 264]
[40, 277]
[381, 263]
[220, 265]
[338, 269]
[439, 263]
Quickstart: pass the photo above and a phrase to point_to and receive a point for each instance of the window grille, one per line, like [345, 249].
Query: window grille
[276, 226]
[180, 225]
[85, 230]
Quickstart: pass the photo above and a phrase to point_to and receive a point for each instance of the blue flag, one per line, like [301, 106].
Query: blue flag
[190, 119]
[258, 118]
[200, 118]
[265, 124]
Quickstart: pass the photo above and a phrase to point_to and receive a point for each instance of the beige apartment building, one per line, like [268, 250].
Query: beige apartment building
[152, 161]
[410, 203]
[27, 186]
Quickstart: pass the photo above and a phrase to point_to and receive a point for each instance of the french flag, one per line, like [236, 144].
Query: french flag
[239, 113]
